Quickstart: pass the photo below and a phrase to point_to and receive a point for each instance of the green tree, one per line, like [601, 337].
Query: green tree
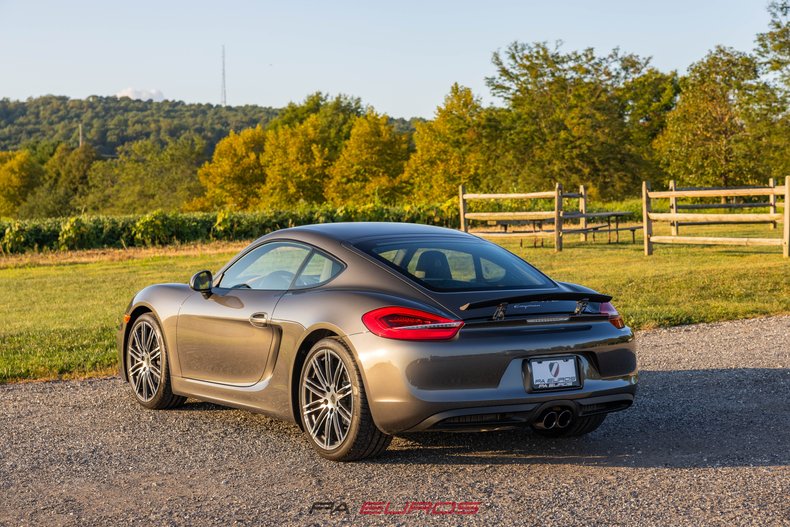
[297, 163]
[773, 53]
[449, 150]
[713, 135]
[19, 175]
[370, 166]
[235, 175]
[66, 176]
[146, 176]
[567, 118]
[110, 122]
[773, 46]
[301, 146]
[648, 98]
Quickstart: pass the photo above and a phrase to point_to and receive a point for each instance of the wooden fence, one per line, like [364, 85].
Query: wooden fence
[536, 219]
[677, 219]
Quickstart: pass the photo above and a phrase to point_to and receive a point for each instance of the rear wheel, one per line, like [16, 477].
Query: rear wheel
[334, 407]
[577, 427]
[147, 367]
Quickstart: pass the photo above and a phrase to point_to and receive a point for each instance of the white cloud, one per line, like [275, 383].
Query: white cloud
[144, 95]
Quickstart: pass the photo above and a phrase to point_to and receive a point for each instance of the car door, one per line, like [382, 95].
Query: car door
[226, 337]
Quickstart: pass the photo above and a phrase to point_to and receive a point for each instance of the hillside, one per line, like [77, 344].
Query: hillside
[109, 122]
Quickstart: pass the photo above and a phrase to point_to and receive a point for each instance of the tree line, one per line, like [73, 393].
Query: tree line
[606, 121]
[108, 123]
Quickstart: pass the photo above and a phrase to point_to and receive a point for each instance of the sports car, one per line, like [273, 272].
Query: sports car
[360, 331]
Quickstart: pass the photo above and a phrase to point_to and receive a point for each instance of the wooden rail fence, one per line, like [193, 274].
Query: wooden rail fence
[536, 219]
[677, 219]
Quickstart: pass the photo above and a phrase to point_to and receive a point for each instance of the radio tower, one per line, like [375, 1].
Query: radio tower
[224, 94]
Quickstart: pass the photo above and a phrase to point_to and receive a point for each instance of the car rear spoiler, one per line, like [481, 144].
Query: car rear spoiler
[538, 297]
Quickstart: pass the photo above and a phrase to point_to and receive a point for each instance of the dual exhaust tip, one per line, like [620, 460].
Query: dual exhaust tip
[552, 419]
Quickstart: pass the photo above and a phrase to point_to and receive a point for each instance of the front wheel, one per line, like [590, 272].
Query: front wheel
[334, 407]
[147, 367]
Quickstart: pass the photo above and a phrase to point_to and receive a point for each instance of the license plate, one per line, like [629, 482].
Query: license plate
[555, 372]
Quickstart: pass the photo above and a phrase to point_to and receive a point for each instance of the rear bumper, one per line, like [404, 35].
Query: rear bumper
[480, 380]
[520, 415]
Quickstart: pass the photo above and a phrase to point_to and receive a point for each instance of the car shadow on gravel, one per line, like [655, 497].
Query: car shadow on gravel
[686, 418]
[193, 405]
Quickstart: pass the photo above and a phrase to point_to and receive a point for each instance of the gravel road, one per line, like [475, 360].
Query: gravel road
[707, 443]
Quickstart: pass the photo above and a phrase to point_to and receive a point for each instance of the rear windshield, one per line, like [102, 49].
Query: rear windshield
[444, 264]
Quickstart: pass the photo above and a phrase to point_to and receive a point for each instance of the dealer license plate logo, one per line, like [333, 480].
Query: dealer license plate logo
[553, 373]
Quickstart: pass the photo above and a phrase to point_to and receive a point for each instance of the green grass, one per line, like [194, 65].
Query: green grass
[59, 319]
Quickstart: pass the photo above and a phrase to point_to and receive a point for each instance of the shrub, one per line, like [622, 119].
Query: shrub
[80, 233]
[161, 228]
[156, 228]
[20, 236]
[193, 227]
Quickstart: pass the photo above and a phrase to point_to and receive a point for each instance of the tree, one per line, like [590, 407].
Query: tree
[773, 46]
[567, 118]
[110, 122]
[297, 163]
[370, 166]
[773, 54]
[66, 176]
[449, 151]
[19, 175]
[146, 176]
[337, 113]
[301, 146]
[236, 174]
[648, 99]
[712, 136]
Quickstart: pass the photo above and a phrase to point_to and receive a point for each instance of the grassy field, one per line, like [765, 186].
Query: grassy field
[60, 310]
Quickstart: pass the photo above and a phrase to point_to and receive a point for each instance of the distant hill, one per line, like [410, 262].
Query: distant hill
[109, 122]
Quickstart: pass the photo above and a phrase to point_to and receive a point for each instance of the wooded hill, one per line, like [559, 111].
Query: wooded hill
[110, 122]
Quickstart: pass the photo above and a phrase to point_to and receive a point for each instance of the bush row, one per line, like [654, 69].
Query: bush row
[162, 228]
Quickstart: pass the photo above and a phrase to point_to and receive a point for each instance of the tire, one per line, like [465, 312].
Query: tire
[147, 367]
[578, 427]
[334, 409]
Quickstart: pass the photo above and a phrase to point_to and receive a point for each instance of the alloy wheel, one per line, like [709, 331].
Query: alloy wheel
[144, 361]
[327, 400]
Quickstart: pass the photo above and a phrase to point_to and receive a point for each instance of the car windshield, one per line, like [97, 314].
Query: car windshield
[445, 264]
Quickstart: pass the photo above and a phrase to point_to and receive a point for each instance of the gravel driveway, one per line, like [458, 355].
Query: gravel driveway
[707, 442]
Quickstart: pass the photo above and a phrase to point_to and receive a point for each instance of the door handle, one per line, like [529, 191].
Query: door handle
[259, 320]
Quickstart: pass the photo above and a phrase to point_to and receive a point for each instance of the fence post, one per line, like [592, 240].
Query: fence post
[462, 207]
[583, 212]
[647, 226]
[558, 218]
[772, 201]
[786, 237]
[673, 208]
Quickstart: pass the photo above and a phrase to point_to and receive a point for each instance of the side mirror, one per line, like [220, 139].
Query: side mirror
[202, 282]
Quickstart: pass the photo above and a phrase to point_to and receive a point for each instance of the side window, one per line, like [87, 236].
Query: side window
[271, 266]
[319, 269]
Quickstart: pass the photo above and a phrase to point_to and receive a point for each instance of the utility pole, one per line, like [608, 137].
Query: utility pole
[224, 93]
[80, 135]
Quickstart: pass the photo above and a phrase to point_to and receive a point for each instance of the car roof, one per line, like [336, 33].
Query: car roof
[354, 231]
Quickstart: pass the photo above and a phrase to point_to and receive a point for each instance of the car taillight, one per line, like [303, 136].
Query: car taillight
[404, 323]
[614, 317]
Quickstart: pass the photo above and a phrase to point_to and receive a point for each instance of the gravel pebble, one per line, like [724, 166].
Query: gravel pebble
[707, 443]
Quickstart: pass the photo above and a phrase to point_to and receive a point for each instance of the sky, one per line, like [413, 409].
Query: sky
[400, 57]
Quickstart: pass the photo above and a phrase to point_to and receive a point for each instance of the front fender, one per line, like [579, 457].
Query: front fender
[164, 302]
